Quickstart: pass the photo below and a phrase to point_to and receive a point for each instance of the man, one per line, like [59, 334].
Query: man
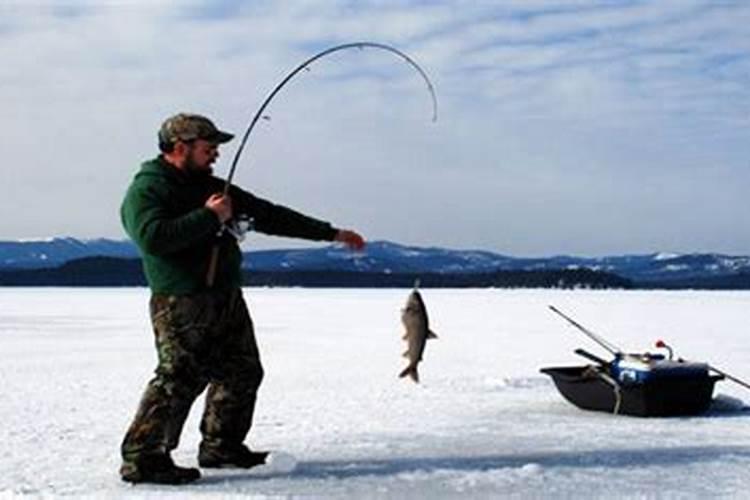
[174, 210]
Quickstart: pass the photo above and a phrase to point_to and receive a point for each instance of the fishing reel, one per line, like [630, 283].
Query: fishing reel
[238, 227]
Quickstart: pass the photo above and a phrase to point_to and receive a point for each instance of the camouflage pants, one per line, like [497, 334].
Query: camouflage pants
[202, 340]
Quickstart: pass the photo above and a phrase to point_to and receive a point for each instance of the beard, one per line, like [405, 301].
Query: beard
[195, 168]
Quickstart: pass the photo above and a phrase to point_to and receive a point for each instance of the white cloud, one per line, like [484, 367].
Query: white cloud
[553, 115]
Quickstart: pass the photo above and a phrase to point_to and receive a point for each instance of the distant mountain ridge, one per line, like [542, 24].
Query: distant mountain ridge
[388, 257]
[53, 252]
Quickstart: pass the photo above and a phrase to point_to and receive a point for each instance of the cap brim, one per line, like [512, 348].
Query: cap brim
[221, 137]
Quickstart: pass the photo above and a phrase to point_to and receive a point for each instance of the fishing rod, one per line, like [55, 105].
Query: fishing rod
[613, 349]
[305, 66]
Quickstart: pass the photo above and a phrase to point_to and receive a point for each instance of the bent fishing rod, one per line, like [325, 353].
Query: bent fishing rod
[211, 274]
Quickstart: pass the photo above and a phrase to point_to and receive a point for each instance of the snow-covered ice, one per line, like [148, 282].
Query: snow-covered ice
[483, 423]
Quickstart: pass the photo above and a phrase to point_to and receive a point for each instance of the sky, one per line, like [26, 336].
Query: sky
[564, 127]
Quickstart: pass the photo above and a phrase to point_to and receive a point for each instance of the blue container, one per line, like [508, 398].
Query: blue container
[641, 368]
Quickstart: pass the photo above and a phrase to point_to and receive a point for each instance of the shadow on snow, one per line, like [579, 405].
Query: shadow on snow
[348, 469]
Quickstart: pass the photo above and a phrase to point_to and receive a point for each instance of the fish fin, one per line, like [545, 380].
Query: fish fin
[410, 370]
[431, 335]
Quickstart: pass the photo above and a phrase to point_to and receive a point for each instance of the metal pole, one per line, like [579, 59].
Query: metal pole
[730, 377]
[613, 349]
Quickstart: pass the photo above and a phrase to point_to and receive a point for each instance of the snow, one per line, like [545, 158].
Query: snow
[676, 267]
[484, 423]
[666, 256]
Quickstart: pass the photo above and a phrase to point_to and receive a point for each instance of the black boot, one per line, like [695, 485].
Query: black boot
[158, 469]
[237, 456]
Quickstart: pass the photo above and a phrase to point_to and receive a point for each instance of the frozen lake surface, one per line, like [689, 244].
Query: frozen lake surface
[483, 423]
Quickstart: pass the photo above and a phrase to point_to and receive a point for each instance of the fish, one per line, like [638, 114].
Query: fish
[415, 320]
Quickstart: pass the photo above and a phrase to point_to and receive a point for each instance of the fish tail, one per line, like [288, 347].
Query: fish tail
[410, 370]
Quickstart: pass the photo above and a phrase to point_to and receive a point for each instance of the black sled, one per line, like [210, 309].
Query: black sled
[644, 385]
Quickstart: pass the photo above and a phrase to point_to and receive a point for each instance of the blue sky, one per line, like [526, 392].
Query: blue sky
[578, 127]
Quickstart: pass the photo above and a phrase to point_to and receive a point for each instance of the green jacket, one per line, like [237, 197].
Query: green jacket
[164, 213]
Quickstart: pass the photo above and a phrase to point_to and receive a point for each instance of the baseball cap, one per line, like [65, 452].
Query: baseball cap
[189, 127]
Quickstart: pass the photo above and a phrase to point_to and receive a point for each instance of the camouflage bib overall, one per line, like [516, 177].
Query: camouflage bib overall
[203, 340]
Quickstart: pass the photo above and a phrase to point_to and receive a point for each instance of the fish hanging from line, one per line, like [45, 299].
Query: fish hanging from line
[417, 324]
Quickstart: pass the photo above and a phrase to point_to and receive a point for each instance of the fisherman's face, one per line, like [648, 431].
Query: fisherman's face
[201, 154]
